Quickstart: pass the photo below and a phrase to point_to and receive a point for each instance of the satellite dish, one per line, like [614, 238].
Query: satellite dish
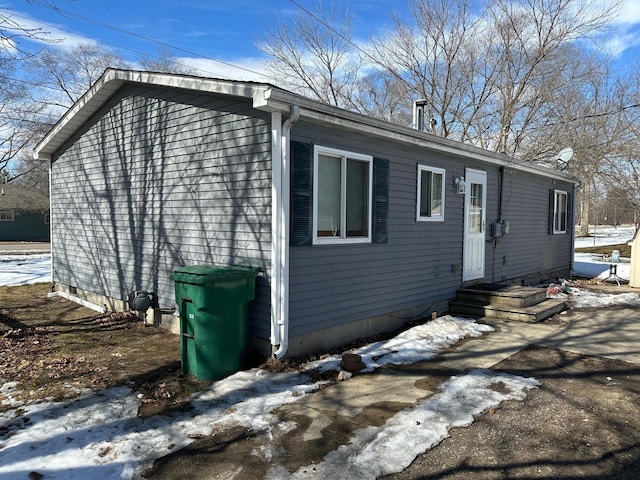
[565, 155]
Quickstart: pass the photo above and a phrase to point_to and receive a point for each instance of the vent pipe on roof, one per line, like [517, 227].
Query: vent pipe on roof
[420, 115]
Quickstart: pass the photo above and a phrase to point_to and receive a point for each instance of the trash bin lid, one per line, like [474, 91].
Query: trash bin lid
[197, 274]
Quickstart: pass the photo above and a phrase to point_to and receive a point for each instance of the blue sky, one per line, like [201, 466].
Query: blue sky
[227, 29]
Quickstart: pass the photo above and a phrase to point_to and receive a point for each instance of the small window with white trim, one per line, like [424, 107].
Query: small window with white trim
[430, 194]
[559, 211]
[341, 196]
[7, 216]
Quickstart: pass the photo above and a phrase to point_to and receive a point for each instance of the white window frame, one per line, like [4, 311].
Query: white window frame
[343, 155]
[7, 216]
[429, 218]
[556, 216]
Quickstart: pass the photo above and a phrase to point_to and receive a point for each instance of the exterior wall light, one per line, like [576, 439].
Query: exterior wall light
[460, 185]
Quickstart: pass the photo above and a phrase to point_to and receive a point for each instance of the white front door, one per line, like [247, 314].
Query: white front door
[475, 204]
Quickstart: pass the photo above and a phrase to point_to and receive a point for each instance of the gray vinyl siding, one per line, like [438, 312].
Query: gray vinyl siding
[529, 250]
[159, 179]
[335, 284]
[421, 264]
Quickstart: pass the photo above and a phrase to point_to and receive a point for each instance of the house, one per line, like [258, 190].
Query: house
[358, 225]
[24, 214]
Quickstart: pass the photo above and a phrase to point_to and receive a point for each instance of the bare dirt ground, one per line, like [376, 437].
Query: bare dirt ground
[54, 348]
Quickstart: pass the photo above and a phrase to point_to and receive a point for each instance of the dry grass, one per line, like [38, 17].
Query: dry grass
[53, 347]
[623, 248]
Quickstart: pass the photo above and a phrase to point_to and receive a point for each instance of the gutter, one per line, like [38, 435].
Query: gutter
[274, 99]
[280, 239]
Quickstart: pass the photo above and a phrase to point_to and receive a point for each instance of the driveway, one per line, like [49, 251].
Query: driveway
[582, 422]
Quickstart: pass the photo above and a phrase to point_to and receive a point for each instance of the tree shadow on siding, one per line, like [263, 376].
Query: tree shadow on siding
[157, 185]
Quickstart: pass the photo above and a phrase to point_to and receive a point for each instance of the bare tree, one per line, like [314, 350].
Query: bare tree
[13, 30]
[380, 94]
[534, 42]
[63, 76]
[19, 119]
[488, 75]
[312, 54]
[165, 62]
[436, 55]
[590, 114]
[622, 166]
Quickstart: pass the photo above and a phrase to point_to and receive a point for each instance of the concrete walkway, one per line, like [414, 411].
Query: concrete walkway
[611, 333]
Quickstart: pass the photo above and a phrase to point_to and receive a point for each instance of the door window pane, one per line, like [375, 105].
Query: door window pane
[475, 210]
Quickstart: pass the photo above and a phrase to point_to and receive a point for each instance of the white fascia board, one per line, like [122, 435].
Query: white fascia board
[80, 112]
[113, 79]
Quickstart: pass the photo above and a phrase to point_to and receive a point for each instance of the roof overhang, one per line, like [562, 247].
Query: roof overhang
[269, 98]
[112, 80]
[323, 114]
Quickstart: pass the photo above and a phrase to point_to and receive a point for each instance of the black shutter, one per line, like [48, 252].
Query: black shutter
[380, 232]
[301, 194]
[570, 219]
[552, 198]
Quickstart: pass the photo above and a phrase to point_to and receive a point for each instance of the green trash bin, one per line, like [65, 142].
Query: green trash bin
[212, 303]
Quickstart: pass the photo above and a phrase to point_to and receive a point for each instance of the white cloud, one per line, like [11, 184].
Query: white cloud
[624, 31]
[617, 44]
[629, 12]
[247, 69]
[42, 33]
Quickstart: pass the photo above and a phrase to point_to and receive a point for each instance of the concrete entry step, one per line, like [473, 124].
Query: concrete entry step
[508, 295]
[506, 302]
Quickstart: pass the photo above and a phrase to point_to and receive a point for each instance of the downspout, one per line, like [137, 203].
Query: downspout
[51, 221]
[283, 240]
[276, 187]
[576, 188]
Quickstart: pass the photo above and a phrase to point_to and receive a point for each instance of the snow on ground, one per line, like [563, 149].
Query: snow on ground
[595, 266]
[600, 236]
[100, 436]
[376, 451]
[24, 269]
